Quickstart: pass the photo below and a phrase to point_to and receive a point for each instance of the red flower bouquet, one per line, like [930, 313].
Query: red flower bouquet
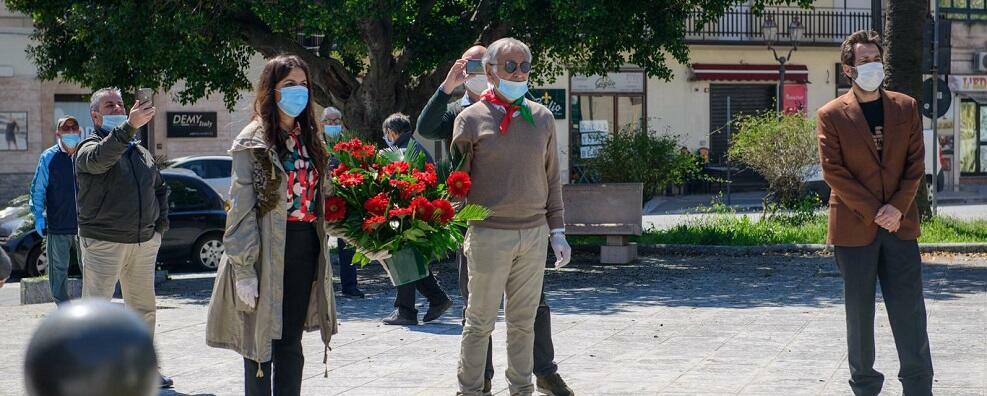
[394, 202]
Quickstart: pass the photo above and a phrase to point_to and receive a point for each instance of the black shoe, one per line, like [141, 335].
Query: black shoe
[402, 317]
[487, 386]
[353, 292]
[166, 382]
[553, 385]
[435, 311]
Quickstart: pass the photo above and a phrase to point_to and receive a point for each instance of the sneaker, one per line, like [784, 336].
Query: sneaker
[553, 385]
[435, 311]
[166, 382]
[402, 317]
[353, 292]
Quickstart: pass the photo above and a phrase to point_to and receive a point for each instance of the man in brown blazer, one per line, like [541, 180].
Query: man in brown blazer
[871, 150]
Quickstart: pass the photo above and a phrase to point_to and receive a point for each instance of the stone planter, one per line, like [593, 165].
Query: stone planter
[38, 290]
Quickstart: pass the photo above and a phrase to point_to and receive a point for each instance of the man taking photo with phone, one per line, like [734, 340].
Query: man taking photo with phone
[123, 206]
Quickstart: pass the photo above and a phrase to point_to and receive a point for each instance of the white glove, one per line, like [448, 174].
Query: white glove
[246, 291]
[563, 253]
[376, 256]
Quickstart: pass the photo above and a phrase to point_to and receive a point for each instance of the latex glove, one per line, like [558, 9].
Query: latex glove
[246, 291]
[375, 256]
[39, 226]
[563, 252]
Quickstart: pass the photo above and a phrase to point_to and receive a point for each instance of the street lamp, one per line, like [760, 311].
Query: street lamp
[770, 30]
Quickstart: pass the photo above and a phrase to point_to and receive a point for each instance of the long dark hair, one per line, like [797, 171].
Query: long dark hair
[266, 110]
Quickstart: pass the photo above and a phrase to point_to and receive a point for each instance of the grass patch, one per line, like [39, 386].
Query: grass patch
[742, 230]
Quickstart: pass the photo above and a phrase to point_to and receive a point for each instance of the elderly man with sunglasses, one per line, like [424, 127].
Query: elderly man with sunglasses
[53, 204]
[510, 151]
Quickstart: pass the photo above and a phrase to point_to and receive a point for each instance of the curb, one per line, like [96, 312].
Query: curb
[724, 250]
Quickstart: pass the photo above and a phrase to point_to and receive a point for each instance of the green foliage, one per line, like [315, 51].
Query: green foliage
[781, 148]
[658, 161]
[377, 57]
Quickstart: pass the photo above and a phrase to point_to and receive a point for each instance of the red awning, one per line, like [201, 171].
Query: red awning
[734, 72]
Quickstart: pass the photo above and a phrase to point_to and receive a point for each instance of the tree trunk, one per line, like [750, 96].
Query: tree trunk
[904, 62]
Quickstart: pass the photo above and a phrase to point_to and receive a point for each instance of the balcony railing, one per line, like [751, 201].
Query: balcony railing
[823, 26]
[963, 10]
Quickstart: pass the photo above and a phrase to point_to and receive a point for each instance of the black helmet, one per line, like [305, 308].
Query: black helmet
[91, 347]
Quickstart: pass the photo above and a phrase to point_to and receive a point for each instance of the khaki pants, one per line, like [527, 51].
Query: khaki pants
[104, 263]
[502, 263]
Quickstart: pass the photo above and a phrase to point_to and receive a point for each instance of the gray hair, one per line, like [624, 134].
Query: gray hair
[331, 111]
[397, 122]
[493, 50]
[98, 96]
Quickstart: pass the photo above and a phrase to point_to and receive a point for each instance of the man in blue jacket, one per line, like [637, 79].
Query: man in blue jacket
[53, 204]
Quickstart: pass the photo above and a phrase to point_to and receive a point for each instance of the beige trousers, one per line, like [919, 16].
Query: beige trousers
[104, 263]
[502, 263]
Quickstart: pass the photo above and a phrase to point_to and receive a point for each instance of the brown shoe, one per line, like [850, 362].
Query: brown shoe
[553, 385]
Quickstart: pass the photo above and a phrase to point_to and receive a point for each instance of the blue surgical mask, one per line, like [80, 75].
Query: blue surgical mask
[294, 99]
[332, 131]
[512, 89]
[387, 139]
[71, 140]
[111, 121]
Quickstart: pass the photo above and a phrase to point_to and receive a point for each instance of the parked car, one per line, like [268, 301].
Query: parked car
[214, 169]
[815, 183]
[196, 214]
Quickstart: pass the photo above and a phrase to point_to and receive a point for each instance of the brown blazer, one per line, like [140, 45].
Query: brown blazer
[861, 180]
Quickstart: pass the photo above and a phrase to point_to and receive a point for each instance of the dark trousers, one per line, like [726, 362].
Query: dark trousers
[898, 266]
[427, 286]
[347, 271]
[544, 350]
[301, 259]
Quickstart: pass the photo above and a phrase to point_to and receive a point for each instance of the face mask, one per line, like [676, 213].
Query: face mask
[71, 140]
[387, 139]
[293, 100]
[332, 131]
[512, 89]
[870, 76]
[476, 84]
[111, 121]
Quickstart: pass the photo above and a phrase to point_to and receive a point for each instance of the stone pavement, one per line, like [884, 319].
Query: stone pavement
[770, 325]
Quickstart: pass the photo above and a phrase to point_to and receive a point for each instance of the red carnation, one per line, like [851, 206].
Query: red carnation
[459, 184]
[350, 179]
[371, 223]
[396, 167]
[335, 209]
[341, 169]
[423, 208]
[429, 178]
[376, 205]
[444, 210]
[400, 212]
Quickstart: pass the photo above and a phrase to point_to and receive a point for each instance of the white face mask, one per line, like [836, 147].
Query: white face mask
[476, 83]
[870, 76]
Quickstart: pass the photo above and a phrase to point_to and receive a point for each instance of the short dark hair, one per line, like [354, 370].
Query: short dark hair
[859, 37]
[398, 122]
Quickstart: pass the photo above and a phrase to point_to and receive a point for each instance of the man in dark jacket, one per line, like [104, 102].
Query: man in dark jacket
[435, 122]
[53, 204]
[123, 206]
[398, 135]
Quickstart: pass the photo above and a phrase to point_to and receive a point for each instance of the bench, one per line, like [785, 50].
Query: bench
[612, 210]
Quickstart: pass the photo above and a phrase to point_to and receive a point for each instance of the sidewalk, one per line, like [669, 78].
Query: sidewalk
[766, 325]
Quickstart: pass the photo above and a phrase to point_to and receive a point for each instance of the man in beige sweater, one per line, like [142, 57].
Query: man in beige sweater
[512, 157]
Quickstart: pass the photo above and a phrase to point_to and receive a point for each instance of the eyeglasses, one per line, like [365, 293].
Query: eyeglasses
[68, 128]
[333, 121]
[511, 66]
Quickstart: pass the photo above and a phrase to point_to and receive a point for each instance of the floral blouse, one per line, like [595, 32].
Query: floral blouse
[302, 179]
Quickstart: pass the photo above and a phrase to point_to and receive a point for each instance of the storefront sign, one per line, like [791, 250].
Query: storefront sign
[968, 83]
[553, 99]
[795, 98]
[617, 82]
[592, 134]
[186, 124]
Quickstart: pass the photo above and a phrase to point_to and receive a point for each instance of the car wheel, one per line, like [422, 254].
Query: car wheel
[928, 189]
[208, 251]
[37, 261]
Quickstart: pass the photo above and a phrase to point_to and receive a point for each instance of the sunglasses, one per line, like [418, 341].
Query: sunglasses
[511, 66]
[68, 128]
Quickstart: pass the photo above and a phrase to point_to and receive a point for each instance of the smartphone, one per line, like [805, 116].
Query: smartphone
[474, 66]
[144, 95]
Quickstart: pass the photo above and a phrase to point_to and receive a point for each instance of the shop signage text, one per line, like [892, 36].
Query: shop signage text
[191, 124]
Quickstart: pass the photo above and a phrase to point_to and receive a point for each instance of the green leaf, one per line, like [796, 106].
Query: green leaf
[472, 212]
